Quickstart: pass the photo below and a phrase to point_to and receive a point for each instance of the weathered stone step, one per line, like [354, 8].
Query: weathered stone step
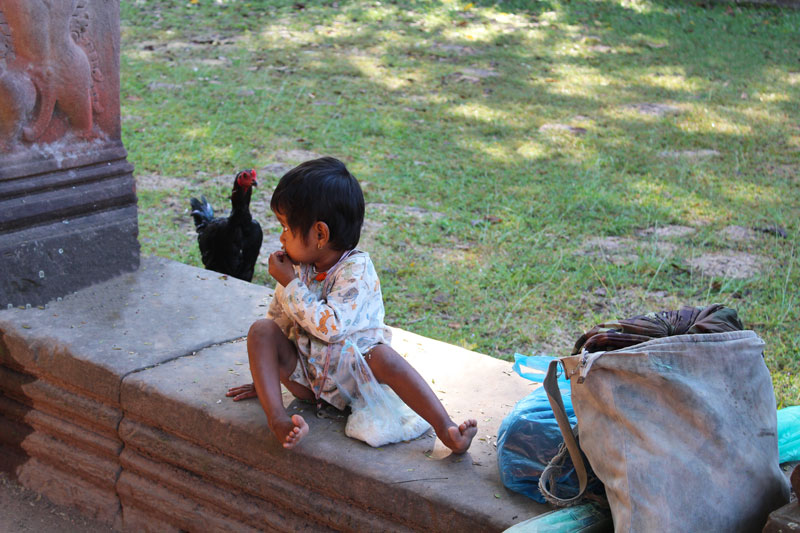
[113, 401]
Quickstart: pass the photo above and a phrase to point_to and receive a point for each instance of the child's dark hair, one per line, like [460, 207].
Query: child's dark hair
[322, 189]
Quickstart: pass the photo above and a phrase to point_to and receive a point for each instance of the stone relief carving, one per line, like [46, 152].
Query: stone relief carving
[48, 64]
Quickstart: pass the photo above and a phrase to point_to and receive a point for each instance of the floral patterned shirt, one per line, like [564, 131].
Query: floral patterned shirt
[322, 317]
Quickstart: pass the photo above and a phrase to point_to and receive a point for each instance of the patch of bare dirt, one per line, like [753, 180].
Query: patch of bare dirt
[692, 155]
[455, 49]
[616, 250]
[609, 304]
[200, 42]
[271, 243]
[155, 85]
[731, 264]
[672, 230]
[624, 250]
[416, 212]
[655, 110]
[554, 341]
[739, 233]
[259, 208]
[156, 182]
[480, 72]
[575, 130]
[472, 75]
[25, 511]
[457, 253]
[275, 169]
[369, 233]
[295, 156]
[213, 62]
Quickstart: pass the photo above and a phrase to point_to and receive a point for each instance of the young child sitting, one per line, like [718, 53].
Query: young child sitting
[324, 336]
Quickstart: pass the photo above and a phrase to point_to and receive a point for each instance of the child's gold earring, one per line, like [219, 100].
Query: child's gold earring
[319, 246]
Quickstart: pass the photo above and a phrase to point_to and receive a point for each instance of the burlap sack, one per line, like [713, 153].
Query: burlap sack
[681, 430]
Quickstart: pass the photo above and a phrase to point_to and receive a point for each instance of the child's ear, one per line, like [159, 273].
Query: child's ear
[322, 233]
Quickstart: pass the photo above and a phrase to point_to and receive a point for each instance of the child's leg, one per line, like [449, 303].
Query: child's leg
[391, 368]
[273, 358]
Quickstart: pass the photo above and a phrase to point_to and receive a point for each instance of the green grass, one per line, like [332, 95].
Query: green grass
[481, 219]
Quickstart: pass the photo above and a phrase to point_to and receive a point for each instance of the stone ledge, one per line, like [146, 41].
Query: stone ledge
[151, 354]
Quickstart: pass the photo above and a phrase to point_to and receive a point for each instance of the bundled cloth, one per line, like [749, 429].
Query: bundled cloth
[663, 414]
[688, 320]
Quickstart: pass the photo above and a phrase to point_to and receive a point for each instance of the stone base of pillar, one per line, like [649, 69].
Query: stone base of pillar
[66, 221]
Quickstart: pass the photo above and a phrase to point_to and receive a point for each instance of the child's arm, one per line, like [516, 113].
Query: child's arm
[276, 312]
[353, 303]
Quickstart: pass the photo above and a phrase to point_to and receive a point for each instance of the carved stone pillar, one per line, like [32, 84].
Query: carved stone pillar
[68, 214]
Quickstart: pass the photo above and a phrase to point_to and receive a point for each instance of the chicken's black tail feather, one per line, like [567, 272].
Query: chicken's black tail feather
[202, 212]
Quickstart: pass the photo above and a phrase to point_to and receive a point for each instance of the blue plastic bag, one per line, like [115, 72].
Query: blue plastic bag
[529, 436]
[583, 518]
[789, 434]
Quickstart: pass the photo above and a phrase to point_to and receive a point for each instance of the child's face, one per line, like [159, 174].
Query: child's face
[298, 249]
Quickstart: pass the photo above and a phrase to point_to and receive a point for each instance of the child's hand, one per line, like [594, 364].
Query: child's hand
[242, 392]
[280, 268]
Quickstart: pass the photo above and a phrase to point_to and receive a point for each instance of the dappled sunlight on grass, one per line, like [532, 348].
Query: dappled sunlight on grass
[493, 152]
[673, 81]
[371, 68]
[505, 136]
[531, 150]
[480, 112]
[712, 121]
[753, 195]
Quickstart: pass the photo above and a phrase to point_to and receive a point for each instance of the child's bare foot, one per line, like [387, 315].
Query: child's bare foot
[459, 438]
[290, 431]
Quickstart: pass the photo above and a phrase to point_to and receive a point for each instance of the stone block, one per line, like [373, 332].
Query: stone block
[64, 489]
[416, 484]
[38, 395]
[234, 510]
[218, 481]
[95, 337]
[135, 520]
[129, 376]
[173, 509]
[64, 430]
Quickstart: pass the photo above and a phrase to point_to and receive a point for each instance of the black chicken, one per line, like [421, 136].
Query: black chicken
[230, 245]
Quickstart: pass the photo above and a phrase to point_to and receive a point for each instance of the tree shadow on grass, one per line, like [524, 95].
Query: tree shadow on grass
[435, 110]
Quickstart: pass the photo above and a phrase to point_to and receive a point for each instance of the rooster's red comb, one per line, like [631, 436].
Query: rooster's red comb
[246, 178]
